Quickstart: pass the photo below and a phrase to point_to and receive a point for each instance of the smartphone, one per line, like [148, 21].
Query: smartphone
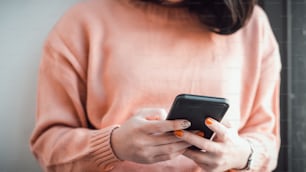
[196, 108]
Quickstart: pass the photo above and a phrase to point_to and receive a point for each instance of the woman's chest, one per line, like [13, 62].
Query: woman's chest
[167, 65]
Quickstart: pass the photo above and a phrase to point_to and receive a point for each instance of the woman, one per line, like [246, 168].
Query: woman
[111, 69]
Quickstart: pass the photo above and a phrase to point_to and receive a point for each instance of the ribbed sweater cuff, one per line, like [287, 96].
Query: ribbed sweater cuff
[101, 150]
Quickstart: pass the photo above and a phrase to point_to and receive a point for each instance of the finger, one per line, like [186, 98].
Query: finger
[152, 118]
[219, 129]
[199, 157]
[152, 113]
[164, 126]
[165, 157]
[172, 148]
[227, 123]
[198, 141]
[166, 138]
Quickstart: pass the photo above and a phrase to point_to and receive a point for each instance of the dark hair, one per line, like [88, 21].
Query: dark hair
[220, 16]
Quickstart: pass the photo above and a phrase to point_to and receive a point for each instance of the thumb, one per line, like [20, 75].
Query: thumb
[227, 123]
[152, 113]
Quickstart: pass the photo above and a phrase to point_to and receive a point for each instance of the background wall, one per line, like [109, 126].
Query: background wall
[298, 116]
[24, 24]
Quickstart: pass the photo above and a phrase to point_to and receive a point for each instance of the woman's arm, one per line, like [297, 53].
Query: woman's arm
[262, 127]
[61, 139]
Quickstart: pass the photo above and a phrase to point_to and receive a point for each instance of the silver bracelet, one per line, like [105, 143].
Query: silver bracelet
[250, 158]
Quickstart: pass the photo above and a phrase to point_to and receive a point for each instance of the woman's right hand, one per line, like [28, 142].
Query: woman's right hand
[146, 137]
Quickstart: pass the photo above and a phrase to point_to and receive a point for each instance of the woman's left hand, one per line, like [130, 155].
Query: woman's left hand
[227, 151]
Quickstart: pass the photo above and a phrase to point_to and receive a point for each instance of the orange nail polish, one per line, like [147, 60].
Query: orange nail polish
[208, 121]
[200, 133]
[157, 118]
[153, 118]
[179, 133]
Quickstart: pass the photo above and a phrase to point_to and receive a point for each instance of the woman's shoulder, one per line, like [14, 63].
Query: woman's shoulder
[83, 16]
[74, 26]
[87, 9]
[258, 21]
[258, 27]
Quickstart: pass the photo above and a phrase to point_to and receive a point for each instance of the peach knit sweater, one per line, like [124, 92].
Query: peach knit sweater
[107, 58]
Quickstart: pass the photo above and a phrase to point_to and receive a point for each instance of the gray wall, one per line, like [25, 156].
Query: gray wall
[24, 24]
[298, 116]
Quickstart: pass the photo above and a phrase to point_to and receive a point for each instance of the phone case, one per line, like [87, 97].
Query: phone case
[196, 109]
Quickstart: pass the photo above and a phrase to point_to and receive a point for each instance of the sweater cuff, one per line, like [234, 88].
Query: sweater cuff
[101, 150]
[259, 156]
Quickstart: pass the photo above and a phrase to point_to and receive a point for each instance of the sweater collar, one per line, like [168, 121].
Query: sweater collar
[162, 13]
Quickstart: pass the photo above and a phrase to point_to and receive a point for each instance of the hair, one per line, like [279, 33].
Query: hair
[220, 16]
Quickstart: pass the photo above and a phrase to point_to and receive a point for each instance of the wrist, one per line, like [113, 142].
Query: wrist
[113, 141]
[248, 163]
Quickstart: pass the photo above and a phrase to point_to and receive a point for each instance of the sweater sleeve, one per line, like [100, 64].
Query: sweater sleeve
[62, 139]
[262, 128]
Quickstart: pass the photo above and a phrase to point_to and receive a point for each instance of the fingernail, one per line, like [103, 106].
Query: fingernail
[156, 118]
[200, 133]
[208, 121]
[185, 124]
[153, 118]
[179, 133]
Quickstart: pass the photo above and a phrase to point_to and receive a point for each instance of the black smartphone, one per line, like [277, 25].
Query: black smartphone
[196, 108]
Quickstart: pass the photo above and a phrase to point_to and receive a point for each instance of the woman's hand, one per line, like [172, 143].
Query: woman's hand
[145, 138]
[227, 151]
